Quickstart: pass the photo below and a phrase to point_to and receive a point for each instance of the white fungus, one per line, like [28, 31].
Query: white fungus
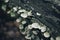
[23, 22]
[12, 15]
[27, 37]
[51, 38]
[34, 32]
[21, 10]
[38, 14]
[18, 20]
[30, 13]
[46, 34]
[43, 29]
[15, 9]
[24, 15]
[29, 27]
[58, 38]
[21, 27]
[6, 1]
[23, 32]
[8, 12]
[19, 7]
[35, 25]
